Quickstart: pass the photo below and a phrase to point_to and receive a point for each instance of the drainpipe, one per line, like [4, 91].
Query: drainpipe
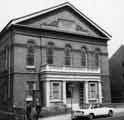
[40, 66]
[9, 68]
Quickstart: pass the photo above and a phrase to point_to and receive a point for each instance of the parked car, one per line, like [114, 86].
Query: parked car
[92, 111]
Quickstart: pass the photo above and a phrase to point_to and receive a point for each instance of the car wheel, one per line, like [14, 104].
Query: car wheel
[110, 114]
[91, 116]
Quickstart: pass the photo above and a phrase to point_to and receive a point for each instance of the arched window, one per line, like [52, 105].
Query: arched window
[97, 57]
[83, 56]
[30, 52]
[49, 52]
[68, 61]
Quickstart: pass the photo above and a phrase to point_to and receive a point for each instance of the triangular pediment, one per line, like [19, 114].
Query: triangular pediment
[64, 17]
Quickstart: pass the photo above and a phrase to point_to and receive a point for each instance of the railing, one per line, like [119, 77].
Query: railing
[53, 68]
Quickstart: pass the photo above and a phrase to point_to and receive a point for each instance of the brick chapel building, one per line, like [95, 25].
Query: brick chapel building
[48, 51]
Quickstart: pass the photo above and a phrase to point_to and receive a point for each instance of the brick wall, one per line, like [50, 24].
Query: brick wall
[20, 51]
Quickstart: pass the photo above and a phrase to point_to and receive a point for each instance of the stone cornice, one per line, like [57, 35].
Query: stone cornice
[72, 73]
[56, 30]
[37, 73]
[81, 40]
[48, 32]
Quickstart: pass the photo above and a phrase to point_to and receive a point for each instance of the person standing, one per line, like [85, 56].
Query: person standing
[38, 108]
[28, 110]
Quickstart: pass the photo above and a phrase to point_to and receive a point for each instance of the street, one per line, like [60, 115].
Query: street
[118, 115]
[110, 118]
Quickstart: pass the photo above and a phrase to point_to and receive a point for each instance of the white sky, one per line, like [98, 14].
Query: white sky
[108, 14]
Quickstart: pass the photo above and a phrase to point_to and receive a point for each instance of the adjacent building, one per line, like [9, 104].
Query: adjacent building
[44, 54]
[116, 63]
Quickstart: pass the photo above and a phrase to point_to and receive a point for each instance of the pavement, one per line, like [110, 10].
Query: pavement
[118, 111]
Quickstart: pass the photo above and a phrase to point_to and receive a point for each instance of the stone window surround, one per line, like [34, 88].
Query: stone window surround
[84, 57]
[68, 55]
[50, 54]
[55, 89]
[30, 54]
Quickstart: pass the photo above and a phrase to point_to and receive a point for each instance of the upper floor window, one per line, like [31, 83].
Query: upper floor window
[83, 57]
[7, 58]
[4, 59]
[30, 53]
[49, 53]
[68, 55]
[3, 93]
[97, 57]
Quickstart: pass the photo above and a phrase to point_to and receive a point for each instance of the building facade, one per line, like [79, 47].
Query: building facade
[116, 64]
[46, 53]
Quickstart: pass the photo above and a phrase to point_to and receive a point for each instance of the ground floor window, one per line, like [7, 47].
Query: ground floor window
[31, 86]
[3, 93]
[55, 90]
[92, 90]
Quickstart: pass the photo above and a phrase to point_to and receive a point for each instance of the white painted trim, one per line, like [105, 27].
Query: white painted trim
[64, 92]
[49, 77]
[86, 91]
[100, 92]
[30, 66]
[47, 86]
[52, 99]
[52, 68]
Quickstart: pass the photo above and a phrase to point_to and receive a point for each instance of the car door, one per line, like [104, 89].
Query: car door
[102, 111]
[98, 111]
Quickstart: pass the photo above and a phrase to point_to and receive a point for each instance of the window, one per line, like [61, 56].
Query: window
[92, 93]
[97, 57]
[123, 64]
[31, 85]
[49, 53]
[7, 58]
[30, 53]
[4, 58]
[83, 57]
[2, 61]
[5, 93]
[123, 76]
[68, 55]
[56, 90]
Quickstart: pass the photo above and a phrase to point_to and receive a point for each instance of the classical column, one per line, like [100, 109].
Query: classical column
[64, 92]
[100, 91]
[86, 91]
[47, 93]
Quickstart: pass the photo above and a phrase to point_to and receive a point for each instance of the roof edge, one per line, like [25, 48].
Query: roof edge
[29, 16]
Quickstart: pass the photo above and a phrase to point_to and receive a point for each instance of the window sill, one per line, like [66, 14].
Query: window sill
[55, 100]
[92, 99]
[67, 65]
[30, 67]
